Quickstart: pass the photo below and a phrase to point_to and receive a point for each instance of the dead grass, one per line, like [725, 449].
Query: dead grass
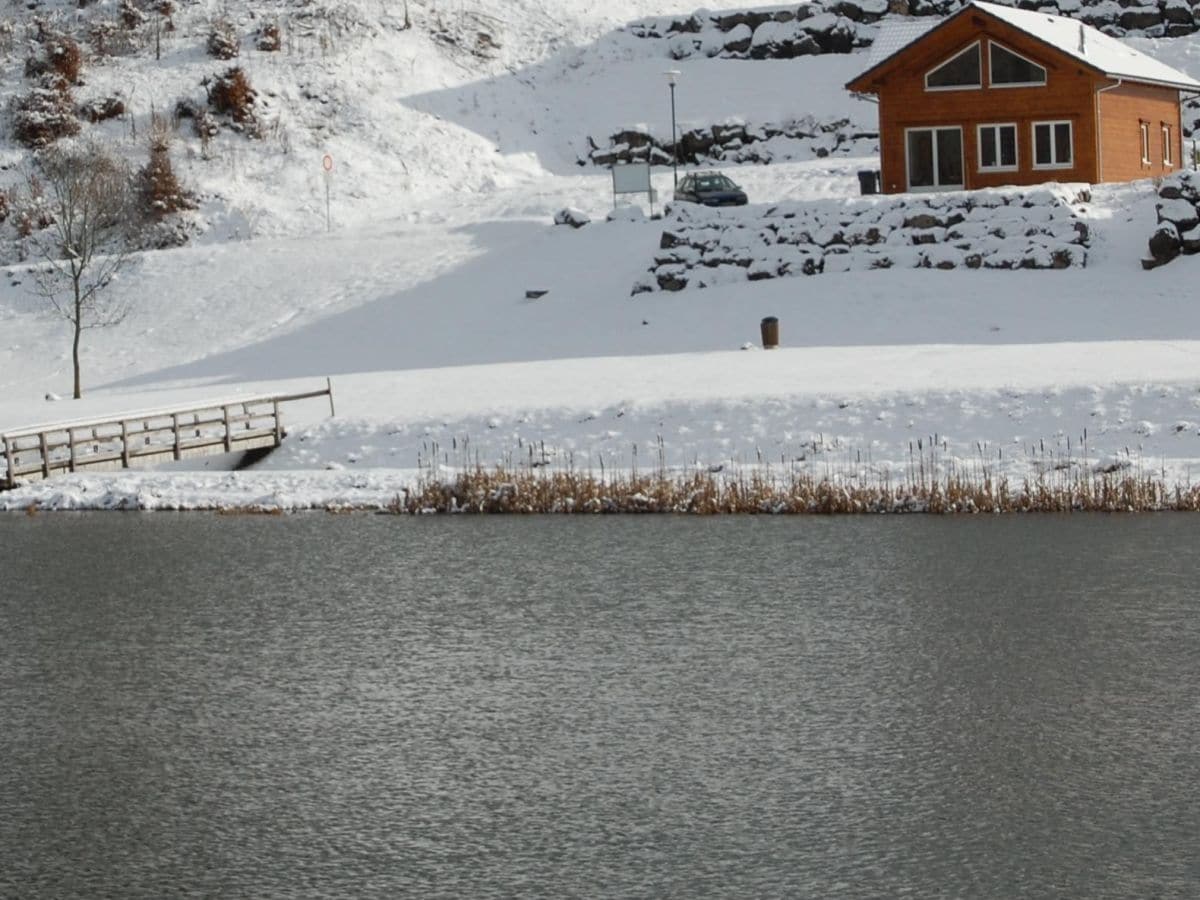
[762, 492]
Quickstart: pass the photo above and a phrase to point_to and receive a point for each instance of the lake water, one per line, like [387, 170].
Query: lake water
[368, 706]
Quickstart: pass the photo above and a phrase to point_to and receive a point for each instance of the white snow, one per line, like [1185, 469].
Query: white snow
[449, 172]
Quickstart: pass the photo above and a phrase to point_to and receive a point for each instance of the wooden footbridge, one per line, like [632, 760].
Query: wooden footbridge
[146, 438]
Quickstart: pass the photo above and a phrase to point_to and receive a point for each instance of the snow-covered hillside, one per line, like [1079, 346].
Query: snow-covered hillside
[454, 143]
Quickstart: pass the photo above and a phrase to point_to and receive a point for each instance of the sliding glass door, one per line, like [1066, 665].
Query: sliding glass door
[934, 158]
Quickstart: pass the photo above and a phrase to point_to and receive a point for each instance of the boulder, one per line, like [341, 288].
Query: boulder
[1140, 17]
[1180, 213]
[1165, 244]
[570, 216]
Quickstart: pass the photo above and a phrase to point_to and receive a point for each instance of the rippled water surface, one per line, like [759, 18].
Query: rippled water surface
[363, 706]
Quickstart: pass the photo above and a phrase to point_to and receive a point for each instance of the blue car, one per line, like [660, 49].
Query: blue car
[711, 189]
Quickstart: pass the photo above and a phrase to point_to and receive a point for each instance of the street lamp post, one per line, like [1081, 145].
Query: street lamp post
[672, 79]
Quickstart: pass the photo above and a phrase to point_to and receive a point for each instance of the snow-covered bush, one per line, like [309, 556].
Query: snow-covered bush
[223, 40]
[231, 94]
[101, 109]
[45, 114]
[55, 54]
[267, 39]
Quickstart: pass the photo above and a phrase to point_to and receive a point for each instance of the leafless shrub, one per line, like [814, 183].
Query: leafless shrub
[223, 40]
[31, 212]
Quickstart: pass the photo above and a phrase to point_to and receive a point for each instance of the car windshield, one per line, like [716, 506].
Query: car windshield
[715, 183]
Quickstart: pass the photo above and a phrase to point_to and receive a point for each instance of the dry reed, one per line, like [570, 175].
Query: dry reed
[761, 491]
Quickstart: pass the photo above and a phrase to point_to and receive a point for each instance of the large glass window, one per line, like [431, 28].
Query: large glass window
[1145, 129]
[1168, 158]
[1009, 69]
[935, 160]
[959, 71]
[997, 147]
[1052, 145]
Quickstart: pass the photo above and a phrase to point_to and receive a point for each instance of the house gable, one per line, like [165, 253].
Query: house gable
[955, 35]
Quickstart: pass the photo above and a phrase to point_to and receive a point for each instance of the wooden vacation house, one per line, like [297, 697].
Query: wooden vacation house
[993, 95]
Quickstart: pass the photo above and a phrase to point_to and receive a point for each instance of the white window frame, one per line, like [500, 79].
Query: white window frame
[1168, 159]
[996, 126]
[950, 59]
[1144, 128]
[1055, 163]
[1015, 84]
[934, 188]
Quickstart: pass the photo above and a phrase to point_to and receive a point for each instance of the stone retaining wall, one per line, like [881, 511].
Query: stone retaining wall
[840, 26]
[741, 143]
[701, 247]
[1178, 230]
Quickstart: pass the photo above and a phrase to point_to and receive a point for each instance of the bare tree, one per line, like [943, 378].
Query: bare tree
[86, 193]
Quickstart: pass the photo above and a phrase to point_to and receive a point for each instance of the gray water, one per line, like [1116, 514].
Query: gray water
[364, 706]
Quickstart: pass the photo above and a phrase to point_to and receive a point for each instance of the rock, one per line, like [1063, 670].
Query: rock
[924, 221]
[570, 216]
[1165, 244]
[1190, 241]
[1140, 17]
[1179, 212]
[671, 282]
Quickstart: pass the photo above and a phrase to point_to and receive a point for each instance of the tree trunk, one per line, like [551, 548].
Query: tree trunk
[75, 360]
[77, 323]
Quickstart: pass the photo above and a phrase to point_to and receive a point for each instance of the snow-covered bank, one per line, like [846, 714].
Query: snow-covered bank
[857, 411]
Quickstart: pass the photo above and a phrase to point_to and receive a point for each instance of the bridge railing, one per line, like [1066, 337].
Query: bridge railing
[146, 437]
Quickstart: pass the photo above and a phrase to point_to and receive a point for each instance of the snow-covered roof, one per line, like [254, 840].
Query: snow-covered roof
[895, 35]
[1108, 55]
[1111, 56]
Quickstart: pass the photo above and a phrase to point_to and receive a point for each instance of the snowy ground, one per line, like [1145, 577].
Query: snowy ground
[415, 303]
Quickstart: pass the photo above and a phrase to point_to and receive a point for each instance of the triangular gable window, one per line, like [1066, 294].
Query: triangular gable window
[959, 71]
[1009, 69]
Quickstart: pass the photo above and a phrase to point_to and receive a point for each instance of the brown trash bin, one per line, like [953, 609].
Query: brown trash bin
[770, 333]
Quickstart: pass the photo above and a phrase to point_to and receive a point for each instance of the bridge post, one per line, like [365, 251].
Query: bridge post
[10, 455]
[175, 425]
[71, 442]
[228, 433]
[45, 455]
[278, 424]
[124, 444]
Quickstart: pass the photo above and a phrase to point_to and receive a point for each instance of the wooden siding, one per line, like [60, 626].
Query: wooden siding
[1122, 110]
[1070, 94]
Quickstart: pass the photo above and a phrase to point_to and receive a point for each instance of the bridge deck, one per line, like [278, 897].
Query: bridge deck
[146, 438]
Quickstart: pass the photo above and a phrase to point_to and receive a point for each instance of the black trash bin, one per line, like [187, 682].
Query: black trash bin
[868, 182]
